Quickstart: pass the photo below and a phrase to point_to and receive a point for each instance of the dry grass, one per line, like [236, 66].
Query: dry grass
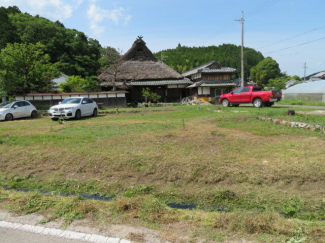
[183, 155]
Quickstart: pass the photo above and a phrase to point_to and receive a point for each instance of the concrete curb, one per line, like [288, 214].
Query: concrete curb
[66, 234]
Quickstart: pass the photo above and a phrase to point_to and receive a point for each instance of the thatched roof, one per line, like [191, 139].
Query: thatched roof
[138, 63]
[147, 83]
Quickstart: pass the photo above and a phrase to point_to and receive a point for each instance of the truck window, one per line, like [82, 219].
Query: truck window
[257, 89]
[245, 90]
[236, 91]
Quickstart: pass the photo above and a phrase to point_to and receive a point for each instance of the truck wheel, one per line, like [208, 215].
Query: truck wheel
[225, 103]
[258, 103]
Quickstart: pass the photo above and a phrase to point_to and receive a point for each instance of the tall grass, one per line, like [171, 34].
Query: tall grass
[301, 102]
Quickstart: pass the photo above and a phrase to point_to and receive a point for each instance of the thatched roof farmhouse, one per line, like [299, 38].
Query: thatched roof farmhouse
[139, 68]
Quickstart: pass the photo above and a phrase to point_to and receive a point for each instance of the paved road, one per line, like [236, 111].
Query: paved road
[25, 233]
[17, 236]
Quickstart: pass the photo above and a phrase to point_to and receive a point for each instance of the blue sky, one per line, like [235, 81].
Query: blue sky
[165, 23]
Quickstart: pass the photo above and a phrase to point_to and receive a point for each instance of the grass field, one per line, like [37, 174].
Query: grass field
[248, 178]
[301, 102]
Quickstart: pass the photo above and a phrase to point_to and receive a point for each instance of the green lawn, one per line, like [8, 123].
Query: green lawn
[215, 157]
[301, 102]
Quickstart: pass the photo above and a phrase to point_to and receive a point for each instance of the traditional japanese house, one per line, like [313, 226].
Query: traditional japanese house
[210, 80]
[137, 69]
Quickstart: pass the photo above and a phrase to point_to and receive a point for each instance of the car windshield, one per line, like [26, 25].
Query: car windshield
[6, 104]
[71, 101]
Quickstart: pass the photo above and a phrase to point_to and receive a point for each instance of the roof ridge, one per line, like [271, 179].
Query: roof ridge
[139, 51]
[206, 64]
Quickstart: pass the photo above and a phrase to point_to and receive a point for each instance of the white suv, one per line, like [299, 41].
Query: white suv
[16, 109]
[74, 107]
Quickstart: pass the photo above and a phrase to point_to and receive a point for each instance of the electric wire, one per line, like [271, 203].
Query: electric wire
[296, 45]
[272, 2]
[293, 37]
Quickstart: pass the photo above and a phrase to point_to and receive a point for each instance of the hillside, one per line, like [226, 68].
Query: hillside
[184, 58]
[72, 52]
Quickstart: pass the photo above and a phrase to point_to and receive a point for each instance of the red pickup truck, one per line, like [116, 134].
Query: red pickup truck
[250, 94]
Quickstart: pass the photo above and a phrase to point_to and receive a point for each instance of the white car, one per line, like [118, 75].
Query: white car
[74, 107]
[16, 109]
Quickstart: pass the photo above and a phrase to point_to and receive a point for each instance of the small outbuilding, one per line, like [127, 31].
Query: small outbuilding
[313, 91]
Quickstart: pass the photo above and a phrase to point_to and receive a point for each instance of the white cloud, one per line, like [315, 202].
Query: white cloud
[97, 14]
[53, 9]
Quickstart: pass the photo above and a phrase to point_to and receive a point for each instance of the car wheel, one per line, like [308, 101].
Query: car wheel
[34, 114]
[9, 117]
[258, 103]
[54, 119]
[225, 103]
[95, 113]
[77, 116]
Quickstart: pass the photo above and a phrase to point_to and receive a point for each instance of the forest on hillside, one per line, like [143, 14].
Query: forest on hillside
[184, 58]
[53, 49]
[72, 52]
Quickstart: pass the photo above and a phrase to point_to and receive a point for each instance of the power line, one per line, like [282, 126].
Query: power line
[296, 45]
[258, 6]
[253, 11]
[269, 4]
[293, 37]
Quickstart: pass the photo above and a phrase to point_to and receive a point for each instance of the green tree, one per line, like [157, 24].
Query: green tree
[150, 96]
[280, 82]
[73, 84]
[109, 56]
[79, 84]
[92, 84]
[264, 71]
[72, 51]
[25, 66]
[7, 29]
[146, 94]
[184, 58]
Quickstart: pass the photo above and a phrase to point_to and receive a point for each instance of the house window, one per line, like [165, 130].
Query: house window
[203, 90]
[221, 91]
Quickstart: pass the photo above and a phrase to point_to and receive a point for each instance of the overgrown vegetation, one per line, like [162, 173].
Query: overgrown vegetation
[301, 102]
[184, 58]
[258, 178]
[150, 96]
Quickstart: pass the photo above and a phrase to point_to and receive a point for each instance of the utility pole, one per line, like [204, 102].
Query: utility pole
[242, 48]
[162, 57]
[305, 67]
